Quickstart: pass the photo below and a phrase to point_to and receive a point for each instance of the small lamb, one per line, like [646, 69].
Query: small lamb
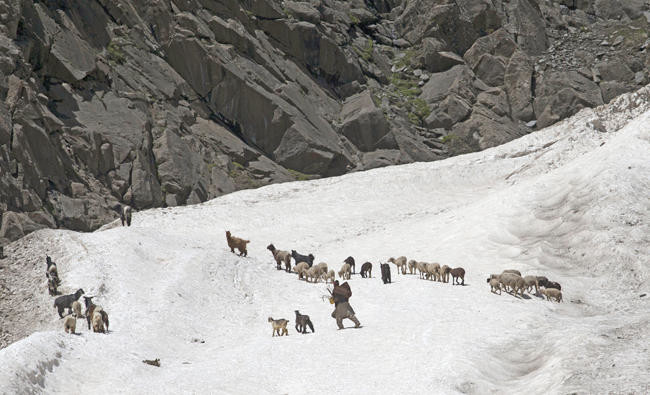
[344, 273]
[313, 273]
[70, 324]
[76, 309]
[494, 285]
[65, 302]
[350, 261]
[329, 276]
[552, 293]
[98, 321]
[279, 325]
[301, 268]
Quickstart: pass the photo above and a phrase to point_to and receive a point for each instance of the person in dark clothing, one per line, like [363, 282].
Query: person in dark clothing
[341, 295]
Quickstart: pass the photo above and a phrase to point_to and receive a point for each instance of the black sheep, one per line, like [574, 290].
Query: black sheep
[385, 273]
[309, 259]
[65, 301]
[350, 261]
[366, 270]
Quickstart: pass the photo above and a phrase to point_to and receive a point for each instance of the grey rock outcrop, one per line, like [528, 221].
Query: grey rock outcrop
[159, 103]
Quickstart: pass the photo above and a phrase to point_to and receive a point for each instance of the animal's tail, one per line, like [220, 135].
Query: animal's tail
[311, 326]
[247, 241]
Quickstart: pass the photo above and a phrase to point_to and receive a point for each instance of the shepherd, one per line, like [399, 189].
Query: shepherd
[341, 295]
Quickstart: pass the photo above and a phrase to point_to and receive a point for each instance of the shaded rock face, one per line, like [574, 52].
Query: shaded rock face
[154, 103]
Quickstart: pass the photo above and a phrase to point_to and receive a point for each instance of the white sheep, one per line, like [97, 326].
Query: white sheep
[412, 266]
[98, 323]
[511, 281]
[70, 324]
[76, 309]
[531, 281]
[313, 273]
[301, 268]
[345, 271]
[422, 268]
[494, 285]
[329, 276]
[433, 271]
[513, 271]
[322, 268]
[400, 263]
[552, 293]
[444, 273]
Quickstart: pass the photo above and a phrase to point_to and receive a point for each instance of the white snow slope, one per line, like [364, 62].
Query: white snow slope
[569, 202]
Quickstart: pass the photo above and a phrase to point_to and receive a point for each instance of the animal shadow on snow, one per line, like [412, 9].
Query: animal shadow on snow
[520, 297]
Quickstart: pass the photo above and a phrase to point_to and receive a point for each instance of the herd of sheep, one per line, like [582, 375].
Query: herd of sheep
[95, 315]
[510, 280]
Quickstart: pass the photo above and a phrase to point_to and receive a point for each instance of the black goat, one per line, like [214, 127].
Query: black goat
[302, 322]
[366, 270]
[65, 301]
[350, 261]
[385, 273]
[90, 310]
[302, 258]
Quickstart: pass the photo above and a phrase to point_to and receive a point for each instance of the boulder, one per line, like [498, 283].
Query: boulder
[609, 9]
[363, 16]
[498, 44]
[43, 164]
[561, 94]
[266, 9]
[364, 124]
[495, 100]
[614, 70]
[612, 89]
[178, 165]
[303, 11]
[483, 129]
[12, 225]
[436, 62]
[491, 69]
[518, 84]
[5, 125]
[439, 84]
[421, 19]
[527, 23]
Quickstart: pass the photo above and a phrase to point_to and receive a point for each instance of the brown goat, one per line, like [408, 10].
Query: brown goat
[281, 256]
[236, 242]
[457, 273]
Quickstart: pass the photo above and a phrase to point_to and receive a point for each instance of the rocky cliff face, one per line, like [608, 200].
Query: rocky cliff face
[159, 103]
